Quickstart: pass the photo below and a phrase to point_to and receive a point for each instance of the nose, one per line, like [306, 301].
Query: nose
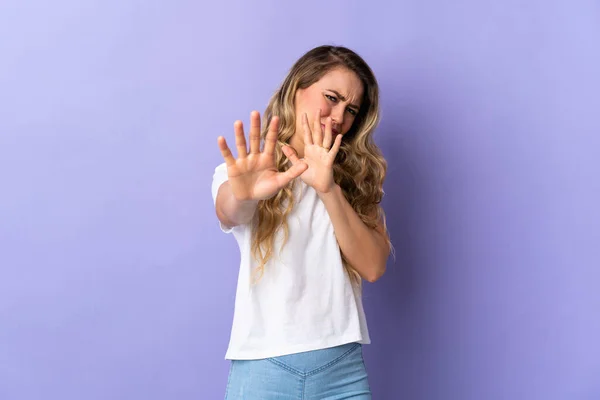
[337, 115]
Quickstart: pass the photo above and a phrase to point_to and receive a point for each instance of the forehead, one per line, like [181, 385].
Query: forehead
[345, 82]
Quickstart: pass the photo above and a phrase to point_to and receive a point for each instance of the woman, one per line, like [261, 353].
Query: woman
[305, 211]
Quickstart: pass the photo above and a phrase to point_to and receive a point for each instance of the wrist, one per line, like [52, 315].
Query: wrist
[248, 203]
[245, 202]
[334, 190]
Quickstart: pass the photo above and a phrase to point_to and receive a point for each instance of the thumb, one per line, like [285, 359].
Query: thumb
[291, 154]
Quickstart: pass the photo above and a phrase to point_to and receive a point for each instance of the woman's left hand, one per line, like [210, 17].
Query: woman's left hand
[319, 154]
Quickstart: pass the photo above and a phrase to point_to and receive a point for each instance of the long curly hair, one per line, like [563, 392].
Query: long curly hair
[359, 168]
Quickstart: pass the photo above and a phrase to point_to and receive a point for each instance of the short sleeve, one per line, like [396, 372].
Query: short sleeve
[219, 177]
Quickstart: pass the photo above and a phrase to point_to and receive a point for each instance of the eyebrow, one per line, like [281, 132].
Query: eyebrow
[343, 98]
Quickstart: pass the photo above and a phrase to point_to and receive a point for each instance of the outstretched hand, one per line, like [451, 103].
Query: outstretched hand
[254, 175]
[319, 153]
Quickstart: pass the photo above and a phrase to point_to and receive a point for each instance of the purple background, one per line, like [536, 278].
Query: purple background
[116, 283]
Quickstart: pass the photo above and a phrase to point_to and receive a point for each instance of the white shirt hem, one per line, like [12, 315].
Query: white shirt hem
[269, 353]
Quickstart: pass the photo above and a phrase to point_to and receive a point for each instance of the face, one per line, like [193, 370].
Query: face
[338, 94]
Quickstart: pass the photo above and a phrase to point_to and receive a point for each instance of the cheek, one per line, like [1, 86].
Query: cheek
[314, 102]
[307, 103]
[310, 105]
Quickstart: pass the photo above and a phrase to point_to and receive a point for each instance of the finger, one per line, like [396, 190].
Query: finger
[317, 130]
[290, 153]
[336, 146]
[271, 138]
[240, 139]
[327, 136]
[283, 178]
[307, 132]
[254, 132]
[225, 152]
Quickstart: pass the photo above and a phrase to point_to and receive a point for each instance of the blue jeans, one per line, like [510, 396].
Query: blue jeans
[328, 374]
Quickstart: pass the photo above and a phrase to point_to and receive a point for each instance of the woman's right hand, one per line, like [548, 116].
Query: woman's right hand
[254, 175]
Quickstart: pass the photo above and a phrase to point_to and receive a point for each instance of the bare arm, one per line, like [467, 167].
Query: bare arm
[232, 212]
[366, 249]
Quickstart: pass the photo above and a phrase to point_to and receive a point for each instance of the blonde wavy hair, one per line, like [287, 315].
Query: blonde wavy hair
[359, 167]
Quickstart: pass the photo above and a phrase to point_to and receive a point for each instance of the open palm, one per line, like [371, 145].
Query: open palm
[254, 175]
[319, 154]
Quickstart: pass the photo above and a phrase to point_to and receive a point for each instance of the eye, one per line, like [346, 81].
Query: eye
[332, 98]
[352, 112]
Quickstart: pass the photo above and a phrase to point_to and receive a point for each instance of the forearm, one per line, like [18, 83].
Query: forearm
[232, 212]
[366, 249]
